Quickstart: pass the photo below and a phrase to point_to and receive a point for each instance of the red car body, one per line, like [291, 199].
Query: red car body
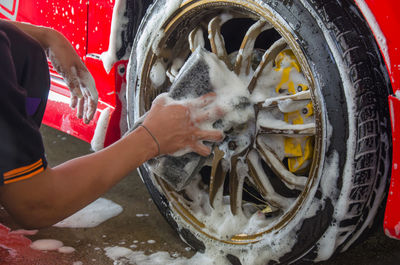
[87, 25]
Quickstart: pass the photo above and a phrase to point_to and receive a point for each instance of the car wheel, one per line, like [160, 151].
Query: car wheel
[312, 172]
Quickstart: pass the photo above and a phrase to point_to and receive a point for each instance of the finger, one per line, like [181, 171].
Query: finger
[160, 99]
[203, 101]
[210, 135]
[209, 115]
[85, 110]
[79, 112]
[91, 98]
[74, 101]
[91, 109]
[201, 149]
[73, 84]
[202, 117]
[87, 81]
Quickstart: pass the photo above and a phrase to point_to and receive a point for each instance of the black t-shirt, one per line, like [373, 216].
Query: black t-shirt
[24, 85]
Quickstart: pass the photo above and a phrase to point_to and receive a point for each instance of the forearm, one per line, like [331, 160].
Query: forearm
[56, 193]
[84, 179]
[39, 33]
[63, 190]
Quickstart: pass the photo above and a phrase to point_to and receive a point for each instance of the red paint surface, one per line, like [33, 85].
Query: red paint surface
[386, 14]
[68, 16]
[392, 213]
[100, 14]
[15, 249]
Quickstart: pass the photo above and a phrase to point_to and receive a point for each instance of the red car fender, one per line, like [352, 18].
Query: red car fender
[392, 214]
[384, 21]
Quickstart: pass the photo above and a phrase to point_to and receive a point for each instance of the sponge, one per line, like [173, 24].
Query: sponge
[192, 81]
[202, 73]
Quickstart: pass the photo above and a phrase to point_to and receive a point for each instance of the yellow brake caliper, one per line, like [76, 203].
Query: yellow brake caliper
[298, 150]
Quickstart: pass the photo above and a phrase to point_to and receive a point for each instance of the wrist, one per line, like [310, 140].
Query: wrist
[149, 142]
[154, 138]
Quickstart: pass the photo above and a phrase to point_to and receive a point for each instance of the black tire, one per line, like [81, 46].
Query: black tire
[353, 167]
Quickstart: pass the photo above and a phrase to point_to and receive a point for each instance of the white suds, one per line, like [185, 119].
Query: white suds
[46, 244]
[397, 229]
[157, 74]
[122, 255]
[198, 40]
[142, 215]
[92, 215]
[99, 135]
[66, 250]
[117, 26]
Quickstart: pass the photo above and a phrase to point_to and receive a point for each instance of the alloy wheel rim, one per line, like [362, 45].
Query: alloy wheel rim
[182, 30]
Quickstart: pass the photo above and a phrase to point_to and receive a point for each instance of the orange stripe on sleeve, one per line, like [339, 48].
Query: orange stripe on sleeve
[22, 170]
[24, 177]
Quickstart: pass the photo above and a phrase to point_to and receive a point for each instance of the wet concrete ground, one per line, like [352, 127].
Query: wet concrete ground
[140, 222]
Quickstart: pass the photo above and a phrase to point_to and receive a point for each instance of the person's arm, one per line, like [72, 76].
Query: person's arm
[69, 65]
[58, 192]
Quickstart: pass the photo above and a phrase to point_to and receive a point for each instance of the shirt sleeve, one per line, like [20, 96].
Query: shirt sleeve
[21, 149]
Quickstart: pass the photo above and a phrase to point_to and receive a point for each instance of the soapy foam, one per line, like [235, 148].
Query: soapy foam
[46, 244]
[157, 74]
[92, 215]
[66, 250]
[126, 256]
[99, 135]
[198, 40]
[117, 26]
[177, 63]
[158, 17]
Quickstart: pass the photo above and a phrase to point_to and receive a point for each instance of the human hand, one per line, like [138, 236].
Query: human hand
[176, 126]
[80, 82]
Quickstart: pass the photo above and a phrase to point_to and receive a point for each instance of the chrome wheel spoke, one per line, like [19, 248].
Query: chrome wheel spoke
[262, 181]
[269, 55]
[291, 180]
[243, 59]
[289, 129]
[234, 191]
[217, 40]
[235, 185]
[196, 39]
[272, 102]
[218, 174]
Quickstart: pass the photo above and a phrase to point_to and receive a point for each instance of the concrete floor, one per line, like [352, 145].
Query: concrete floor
[131, 228]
